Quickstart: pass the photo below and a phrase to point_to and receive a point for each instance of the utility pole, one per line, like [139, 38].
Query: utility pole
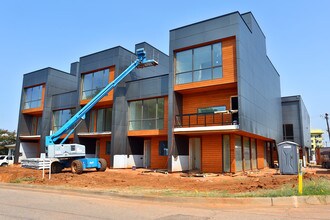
[326, 119]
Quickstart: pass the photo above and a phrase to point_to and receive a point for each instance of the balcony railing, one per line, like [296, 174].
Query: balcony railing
[220, 118]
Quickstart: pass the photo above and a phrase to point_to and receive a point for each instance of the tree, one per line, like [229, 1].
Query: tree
[7, 137]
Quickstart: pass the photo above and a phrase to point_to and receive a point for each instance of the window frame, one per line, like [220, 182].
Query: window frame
[39, 99]
[94, 119]
[287, 137]
[140, 118]
[72, 112]
[105, 82]
[214, 66]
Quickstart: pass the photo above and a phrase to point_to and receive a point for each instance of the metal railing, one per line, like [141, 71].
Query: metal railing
[206, 119]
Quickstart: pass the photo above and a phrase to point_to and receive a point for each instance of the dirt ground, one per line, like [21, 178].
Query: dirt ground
[123, 179]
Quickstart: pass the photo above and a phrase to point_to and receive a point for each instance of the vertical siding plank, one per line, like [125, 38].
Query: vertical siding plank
[212, 153]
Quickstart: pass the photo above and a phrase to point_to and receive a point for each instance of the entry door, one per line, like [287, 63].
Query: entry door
[147, 153]
[194, 153]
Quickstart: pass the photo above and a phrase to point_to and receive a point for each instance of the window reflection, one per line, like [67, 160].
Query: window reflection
[100, 120]
[32, 97]
[184, 61]
[93, 83]
[146, 114]
[199, 64]
[60, 117]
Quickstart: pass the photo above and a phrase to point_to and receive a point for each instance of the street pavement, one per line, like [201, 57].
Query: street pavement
[35, 203]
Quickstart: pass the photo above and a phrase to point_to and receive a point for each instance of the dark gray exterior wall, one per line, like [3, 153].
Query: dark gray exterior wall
[295, 112]
[147, 88]
[65, 100]
[259, 91]
[56, 82]
[74, 69]
[259, 95]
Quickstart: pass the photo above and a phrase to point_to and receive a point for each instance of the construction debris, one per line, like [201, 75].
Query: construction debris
[199, 175]
[156, 171]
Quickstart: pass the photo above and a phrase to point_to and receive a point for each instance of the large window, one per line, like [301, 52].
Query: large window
[199, 64]
[146, 114]
[288, 132]
[100, 120]
[93, 83]
[32, 97]
[60, 117]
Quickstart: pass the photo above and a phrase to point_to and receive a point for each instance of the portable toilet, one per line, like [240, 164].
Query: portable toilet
[288, 157]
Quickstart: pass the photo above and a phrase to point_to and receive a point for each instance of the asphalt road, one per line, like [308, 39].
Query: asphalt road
[29, 203]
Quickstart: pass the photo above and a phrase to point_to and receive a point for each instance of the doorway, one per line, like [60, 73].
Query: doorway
[234, 106]
[194, 154]
[147, 153]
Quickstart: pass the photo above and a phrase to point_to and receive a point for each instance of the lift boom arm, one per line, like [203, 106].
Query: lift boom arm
[140, 62]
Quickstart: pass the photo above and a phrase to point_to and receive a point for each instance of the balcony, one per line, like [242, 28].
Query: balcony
[212, 121]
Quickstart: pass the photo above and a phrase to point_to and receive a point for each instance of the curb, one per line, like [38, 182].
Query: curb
[292, 201]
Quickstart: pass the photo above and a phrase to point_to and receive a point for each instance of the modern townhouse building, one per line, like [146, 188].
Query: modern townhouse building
[115, 128]
[36, 110]
[213, 105]
[224, 96]
[296, 124]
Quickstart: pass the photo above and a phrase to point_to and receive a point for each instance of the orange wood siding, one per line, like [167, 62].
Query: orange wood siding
[157, 161]
[39, 110]
[69, 138]
[191, 103]
[103, 151]
[154, 132]
[106, 100]
[211, 153]
[146, 133]
[228, 66]
[260, 154]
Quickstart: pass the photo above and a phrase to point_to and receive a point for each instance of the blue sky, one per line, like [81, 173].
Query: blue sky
[38, 34]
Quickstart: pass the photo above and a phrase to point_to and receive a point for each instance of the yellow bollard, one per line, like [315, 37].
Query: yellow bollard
[300, 178]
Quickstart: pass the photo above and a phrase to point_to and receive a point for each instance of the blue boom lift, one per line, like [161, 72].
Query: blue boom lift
[73, 155]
